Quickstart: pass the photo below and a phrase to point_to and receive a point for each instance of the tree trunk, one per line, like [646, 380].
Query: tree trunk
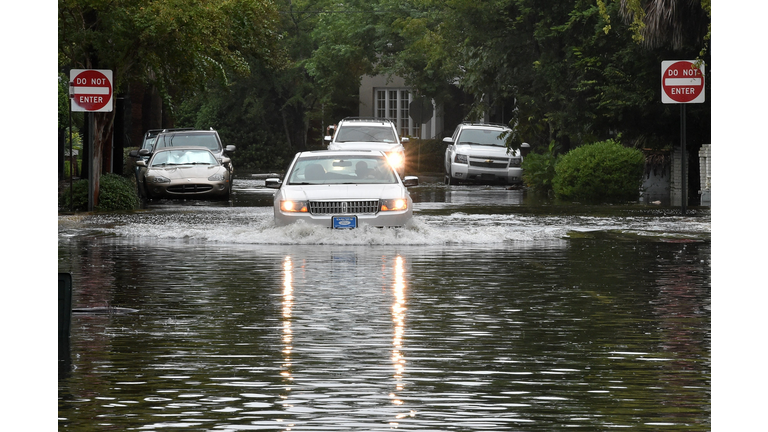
[103, 126]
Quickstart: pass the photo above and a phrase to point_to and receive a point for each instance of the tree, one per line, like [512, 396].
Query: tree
[676, 23]
[549, 65]
[179, 45]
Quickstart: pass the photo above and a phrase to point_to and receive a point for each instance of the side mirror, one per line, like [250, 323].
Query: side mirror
[273, 183]
[448, 140]
[404, 140]
[327, 138]
[144, 152]
[525, 148]
[409, 181]
[225, 160]
[229, 148]
[141, 163]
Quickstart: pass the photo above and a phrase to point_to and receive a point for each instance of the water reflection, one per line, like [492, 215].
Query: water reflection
[398, 319]
[516, 327]
[287, 330]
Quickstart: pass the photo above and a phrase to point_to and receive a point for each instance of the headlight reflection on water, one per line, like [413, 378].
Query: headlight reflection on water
[287, 315]
[398, 318]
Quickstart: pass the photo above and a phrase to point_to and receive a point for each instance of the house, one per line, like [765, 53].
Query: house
[389, 97]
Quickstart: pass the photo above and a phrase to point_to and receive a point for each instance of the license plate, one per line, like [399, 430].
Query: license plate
[344, 222]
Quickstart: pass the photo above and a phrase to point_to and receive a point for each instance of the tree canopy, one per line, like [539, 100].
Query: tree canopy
[269, 74]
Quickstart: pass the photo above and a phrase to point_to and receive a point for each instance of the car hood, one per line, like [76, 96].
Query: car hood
[342, 192]
[186, 171]
[484, 150]
[379, 146]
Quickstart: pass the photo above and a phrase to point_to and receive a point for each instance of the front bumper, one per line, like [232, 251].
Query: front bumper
[380, 219]
[194, 189]
[467, 173]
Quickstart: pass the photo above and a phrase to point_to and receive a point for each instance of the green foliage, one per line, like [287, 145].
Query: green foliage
[115, 193]
[180, 45]
[604, 171]
[539, 170]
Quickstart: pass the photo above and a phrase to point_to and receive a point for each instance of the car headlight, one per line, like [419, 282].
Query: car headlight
[514, 162]
[289, 206]
[398, 204]
[396, 159]
[160, 179]
[460, 158]
[216, 177]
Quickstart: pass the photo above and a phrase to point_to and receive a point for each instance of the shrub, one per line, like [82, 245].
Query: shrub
[115, 193]
[604, 171]
[539, 170]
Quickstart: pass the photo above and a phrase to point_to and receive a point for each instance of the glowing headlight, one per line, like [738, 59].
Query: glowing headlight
[460, 158]
[160, 179]
[398, 204]
[396, 159]
[293, 206]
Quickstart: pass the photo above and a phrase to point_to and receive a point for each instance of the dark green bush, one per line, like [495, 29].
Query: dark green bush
[604, 171]
[539, 171]
[115, 193]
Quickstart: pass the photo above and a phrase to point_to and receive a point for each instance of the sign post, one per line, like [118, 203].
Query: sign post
[682, 82]
[90, 91]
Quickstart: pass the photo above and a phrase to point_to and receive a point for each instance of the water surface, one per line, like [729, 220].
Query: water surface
[488, 313]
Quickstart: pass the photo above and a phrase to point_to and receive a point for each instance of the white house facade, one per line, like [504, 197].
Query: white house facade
[389, 97]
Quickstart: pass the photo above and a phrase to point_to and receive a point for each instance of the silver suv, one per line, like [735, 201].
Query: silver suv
[357, 133]
[477, 153]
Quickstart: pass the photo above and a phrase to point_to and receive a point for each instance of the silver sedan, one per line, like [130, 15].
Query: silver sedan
[343, 189]
[186, 172]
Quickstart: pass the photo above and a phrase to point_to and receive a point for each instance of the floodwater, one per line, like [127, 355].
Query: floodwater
[491, 312]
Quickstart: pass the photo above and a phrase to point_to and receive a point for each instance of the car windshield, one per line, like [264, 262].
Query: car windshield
[342, 170]
[481, 137]
[358, 133]
[183, 157]
[207, 140]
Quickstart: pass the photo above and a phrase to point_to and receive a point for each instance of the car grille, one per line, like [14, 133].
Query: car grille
[190, 188]
[490, 162]
[344, 207]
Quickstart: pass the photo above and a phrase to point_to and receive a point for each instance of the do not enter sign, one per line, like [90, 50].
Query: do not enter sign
[91, 90]
[682, 81]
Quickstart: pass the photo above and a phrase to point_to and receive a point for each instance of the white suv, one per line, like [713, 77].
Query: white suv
[477, 153]
[357, 133]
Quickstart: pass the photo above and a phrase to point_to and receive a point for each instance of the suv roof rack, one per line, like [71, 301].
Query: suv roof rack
[187, 130]
[484, 124]
[374, 119]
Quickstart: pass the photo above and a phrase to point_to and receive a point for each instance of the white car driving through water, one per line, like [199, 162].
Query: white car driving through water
[342, 189]
[360, 133]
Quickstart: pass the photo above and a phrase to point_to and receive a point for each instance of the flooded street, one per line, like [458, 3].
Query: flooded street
[490, 312]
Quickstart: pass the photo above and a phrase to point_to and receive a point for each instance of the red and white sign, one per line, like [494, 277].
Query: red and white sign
[682, 81]
[91, 90]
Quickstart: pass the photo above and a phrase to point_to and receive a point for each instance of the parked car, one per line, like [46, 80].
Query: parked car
[343, 189]
[186, 172]
[208, 139]
[148, 142]
[358, 133]
[477, 153]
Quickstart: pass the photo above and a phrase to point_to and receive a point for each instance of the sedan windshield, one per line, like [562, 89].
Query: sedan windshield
[183, 157]
[366, 134]
[342, 170]
[482, 137]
